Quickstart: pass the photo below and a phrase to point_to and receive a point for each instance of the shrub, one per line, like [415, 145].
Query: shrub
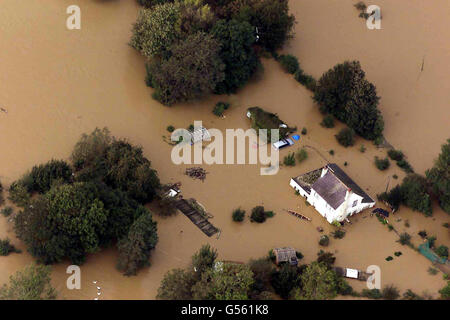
[324, 241]
[289, 63]
[289, 160]
[389, 258]
[390, 292]
[439, 177]
[338, 234]
[432, 271]
[382, 164]
[220, 108]
[45, 175]
[410, 295]
[405, 238]
[398, 253]
[18, 194]
[203, 260]
[393, 197]
[304, 131]
[362, 148]
[6, 211]
[328, 121]
[372, 293]
[395, 155]
[299, 255]
[346, 137]
[170, 128]
[2, 200]
[405, 166]
[442, 251]
[238, 215]
[259, 215]
[422, 234]
[167, 207]
[6, 248]
[302, 155]
[414, 194]
[445, 292]
[305, 79]
[331, 152]
[285, 280]
[327, 258]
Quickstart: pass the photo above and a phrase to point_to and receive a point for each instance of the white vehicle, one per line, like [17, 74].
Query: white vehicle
[283, 143]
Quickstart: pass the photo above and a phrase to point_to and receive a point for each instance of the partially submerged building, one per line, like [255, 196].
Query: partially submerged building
[332, 193]
[287, 255]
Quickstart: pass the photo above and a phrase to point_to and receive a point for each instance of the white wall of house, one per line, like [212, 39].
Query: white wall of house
[298, 188]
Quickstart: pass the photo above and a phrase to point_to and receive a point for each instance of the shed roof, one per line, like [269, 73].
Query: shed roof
[285, 254]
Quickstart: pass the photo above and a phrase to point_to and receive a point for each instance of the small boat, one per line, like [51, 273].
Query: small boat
[298, 215]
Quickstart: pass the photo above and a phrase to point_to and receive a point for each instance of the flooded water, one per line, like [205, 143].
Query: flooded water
[57, 84]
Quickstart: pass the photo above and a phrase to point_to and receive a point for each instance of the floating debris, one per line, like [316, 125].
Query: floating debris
[196, 173]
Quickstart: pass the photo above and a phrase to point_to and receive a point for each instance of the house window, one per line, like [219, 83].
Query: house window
[355, 203]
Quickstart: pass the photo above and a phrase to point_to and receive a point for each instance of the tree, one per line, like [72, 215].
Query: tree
[442, 251]
[382, 164]
[229, 282]
[326, 258]
[289, 63]
[135, 249]
[238, 215]
[345, 93]
[99, 156]
[156, 29]
[445, 292]
[285, 280]
[195, 16]
[414, 194]
[237, 53]
[192, 71]
[42, 177]
[32, 283]
[317, 283]
[176, 285]
[346, 137]
[262, 274]
[66, 222]
[203, 260]
[151, 3]
[275, 24]
[439, 177]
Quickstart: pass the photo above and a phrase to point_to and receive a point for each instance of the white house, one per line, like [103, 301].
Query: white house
[332, 193]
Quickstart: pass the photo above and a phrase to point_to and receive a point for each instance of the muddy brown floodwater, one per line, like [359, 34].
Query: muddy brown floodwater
[57, 84]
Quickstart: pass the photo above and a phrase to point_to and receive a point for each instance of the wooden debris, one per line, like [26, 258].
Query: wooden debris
[320, 229]
[196, 173]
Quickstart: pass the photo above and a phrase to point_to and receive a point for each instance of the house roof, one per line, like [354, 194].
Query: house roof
[333, 186]
[285, 254]
[341, 175]
[331, 189]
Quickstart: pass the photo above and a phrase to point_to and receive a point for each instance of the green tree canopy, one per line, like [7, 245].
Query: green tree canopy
[439, 177]
[135, 248]
[192, 71]
[345, 93]
[318, 282]
[229, 282]
[176, 285]
[32, 283]
[237, 39]
[414, 194]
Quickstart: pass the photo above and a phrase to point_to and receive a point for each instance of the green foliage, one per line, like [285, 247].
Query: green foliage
[176, 285]
[442, 251]
[238, 215]
[439, 177]
[289, 160]
[305, 79]
[393, 198]
[259, 215]
[302, 155]
[135, 249]
[18, 194]
[445, 292]
[289, 63]
[156, 29]
[117, 163]
[432, 271]
[6, 248]
[398, 253]
[345, 93]
[220, 108]
[6, 211]
[346, 137]
[410, 295]
[167, 207]
[372, 293]
[42, 177]
[285, 280]
[262, 275]
[390, 292]
[338, 234]
[275, 24]
[262, 119]
[204, 259]
[151, 3]
[328, 121]
[389, 258]
[362, 148]
[324, 241]
[318, 282]
[331, 152]
[405, 238]
[395, 155]
[414, 194]
[382, 164]
[237, 53]
[170, 128]
[193, 70]
[2, 200]
[32, 283]
[230, 282]
[326, 258]
[304, 131]
[405, 166]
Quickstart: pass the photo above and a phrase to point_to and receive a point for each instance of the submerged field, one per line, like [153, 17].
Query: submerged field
[58, 84]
